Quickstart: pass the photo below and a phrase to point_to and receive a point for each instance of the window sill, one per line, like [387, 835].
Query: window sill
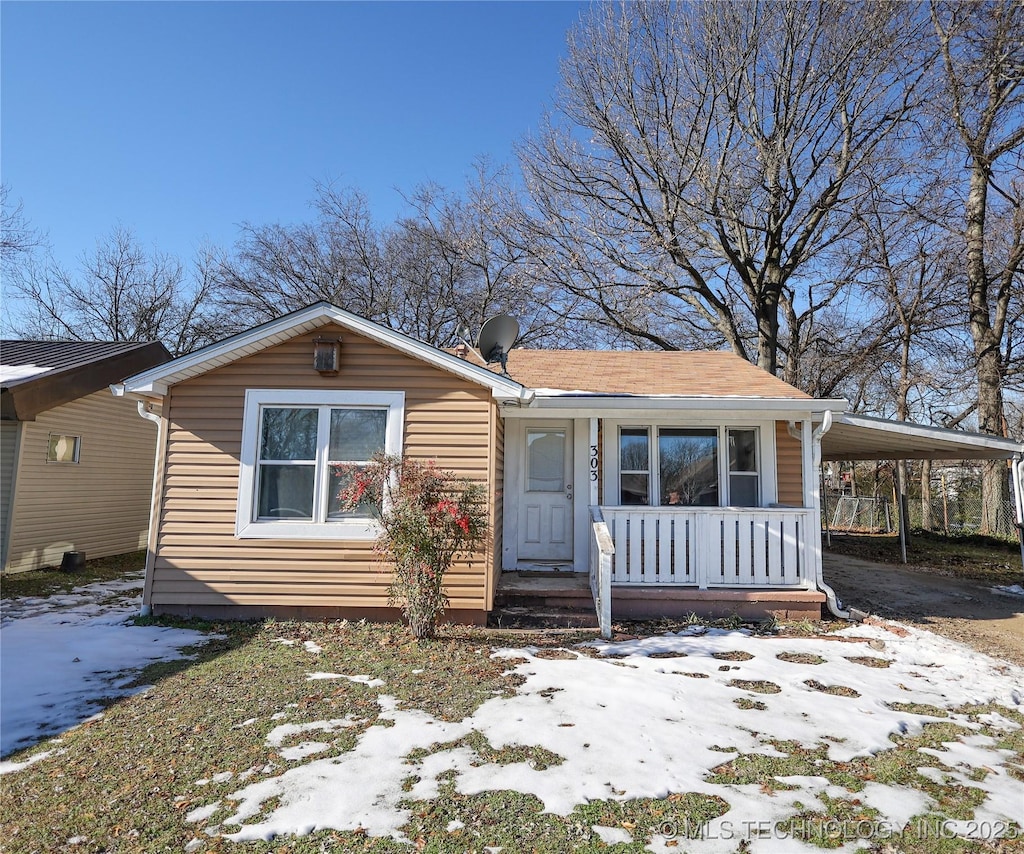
[362, 530]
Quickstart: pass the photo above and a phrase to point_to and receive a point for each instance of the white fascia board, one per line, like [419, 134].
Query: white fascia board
[593, 405]
[157, 380]
[937, 434]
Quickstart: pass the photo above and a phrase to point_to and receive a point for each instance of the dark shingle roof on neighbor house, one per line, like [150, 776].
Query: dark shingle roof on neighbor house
[38, 375]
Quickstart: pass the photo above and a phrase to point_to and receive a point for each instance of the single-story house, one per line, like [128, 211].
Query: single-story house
[679, 481]
[76, 465]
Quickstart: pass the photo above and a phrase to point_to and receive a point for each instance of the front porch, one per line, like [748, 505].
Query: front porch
[659, 562]
[753, 562]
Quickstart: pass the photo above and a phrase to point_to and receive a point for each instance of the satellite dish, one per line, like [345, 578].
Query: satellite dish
[497, 336]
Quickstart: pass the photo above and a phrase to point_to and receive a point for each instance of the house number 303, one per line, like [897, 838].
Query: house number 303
[593, 463]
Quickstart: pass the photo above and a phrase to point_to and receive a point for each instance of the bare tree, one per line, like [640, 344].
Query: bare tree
[17, 237]
[983, 78]
[470, 265]
[706, 158]
[119, 293]
[444, 266]
[276, 268]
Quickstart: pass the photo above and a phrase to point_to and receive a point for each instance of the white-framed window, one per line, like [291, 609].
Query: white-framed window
[63, 448]
[744, 467]
[297, 446]
[682, 466]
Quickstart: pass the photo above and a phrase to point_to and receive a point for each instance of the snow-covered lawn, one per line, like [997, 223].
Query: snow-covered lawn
[651, 717]
[61, 654]
[764, 729]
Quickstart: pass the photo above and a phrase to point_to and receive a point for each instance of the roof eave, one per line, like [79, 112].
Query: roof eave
[157, 382]
[582, 405]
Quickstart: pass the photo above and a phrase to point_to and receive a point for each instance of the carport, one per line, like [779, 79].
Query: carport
[861, 437]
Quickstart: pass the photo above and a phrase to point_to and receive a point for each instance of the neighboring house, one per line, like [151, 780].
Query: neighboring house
[680, 481]
[76, 465]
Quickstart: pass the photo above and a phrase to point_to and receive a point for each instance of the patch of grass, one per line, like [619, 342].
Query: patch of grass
[840, 822]
[536, 757]
[919, 709]
[556, 654]
[898, 766]
[747, 704]
[834, 690]
[47, 582]
[930, 834]
[987, 559]
[869, 661]
[732, 655]
[517, 822]
[692, 675]
[759, 686]
[800, 658]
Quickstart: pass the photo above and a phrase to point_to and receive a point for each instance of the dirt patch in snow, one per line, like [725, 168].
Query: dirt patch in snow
[963, 610]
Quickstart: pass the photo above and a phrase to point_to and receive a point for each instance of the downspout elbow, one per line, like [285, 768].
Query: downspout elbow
[145, 412]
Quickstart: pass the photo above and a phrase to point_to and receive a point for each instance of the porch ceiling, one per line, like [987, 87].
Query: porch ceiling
[860, 437]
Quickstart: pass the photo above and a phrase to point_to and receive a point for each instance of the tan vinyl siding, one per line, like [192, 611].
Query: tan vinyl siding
[790, 466]
[200, 562]
[99, 505]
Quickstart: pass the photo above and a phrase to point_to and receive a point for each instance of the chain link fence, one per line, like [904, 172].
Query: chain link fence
[950, 516]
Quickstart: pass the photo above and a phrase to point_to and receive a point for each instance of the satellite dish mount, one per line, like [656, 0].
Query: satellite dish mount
[497, 336]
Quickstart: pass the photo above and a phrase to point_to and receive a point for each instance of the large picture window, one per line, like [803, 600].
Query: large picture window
[298, 448]
[673, 466]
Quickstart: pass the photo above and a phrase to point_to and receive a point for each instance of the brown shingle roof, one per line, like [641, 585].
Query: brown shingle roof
[692, 373]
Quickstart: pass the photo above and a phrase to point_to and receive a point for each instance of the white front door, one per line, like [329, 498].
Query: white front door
[545, 507]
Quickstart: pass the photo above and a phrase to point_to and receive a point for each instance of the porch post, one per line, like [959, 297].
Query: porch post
[807, 462]
[592, 462]
[812, 483]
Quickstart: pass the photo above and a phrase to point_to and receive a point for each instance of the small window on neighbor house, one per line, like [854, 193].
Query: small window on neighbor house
[62, 448]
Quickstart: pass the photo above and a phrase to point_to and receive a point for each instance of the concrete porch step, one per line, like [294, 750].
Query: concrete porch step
[544, 590]
[515, 617]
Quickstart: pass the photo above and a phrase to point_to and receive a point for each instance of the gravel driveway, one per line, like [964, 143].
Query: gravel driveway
[963, 610]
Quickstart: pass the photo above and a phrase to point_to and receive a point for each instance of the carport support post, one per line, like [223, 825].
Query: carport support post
[901, 508]
[1017, 472]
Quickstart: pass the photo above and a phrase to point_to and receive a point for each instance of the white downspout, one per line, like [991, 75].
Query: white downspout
[147, 587]
[830, 595]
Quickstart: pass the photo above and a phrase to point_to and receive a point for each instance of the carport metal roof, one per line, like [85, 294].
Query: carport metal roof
[861, 437]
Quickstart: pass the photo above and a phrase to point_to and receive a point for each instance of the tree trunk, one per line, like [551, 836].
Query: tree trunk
[987, 353]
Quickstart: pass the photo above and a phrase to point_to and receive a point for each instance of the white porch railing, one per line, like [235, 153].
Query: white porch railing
[712, 547]
[602, 553]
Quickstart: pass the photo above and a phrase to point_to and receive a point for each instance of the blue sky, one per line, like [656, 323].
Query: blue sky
[183, 120]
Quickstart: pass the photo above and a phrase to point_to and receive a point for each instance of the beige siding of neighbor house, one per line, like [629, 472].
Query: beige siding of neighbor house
[8, 462]
[99, 505]
[200, 564]
[790, 465]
